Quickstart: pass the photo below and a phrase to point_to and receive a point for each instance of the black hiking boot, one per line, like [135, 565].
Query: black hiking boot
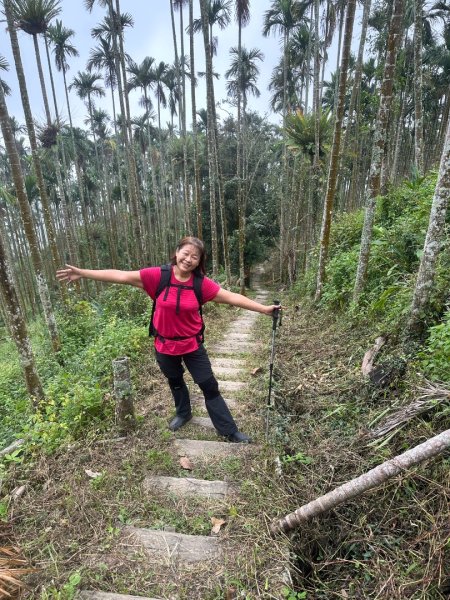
[239, 438]
[178, 422]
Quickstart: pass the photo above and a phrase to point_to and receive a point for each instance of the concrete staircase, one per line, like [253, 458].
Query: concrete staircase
[176, 551]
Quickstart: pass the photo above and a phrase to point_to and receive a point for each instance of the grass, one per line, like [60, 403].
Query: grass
[391, 543]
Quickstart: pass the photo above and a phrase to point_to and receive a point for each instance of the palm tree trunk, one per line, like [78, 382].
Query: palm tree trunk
[358, 72]
[197, 185]
[433, 242]
[17, 327]
[308, 59]
[211, 136]
[418, 107]
[379, 144]
[41, 79]
[182, 115]
[119, 61]
[239, 168]
[373, 478]
[65, 198]
[335, 150]
[444, 121]
[28, 224]
[395, 174]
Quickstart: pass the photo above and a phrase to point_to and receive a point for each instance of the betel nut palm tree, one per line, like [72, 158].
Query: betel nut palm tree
[381, 130]
[242, 17]
[28, 223]
[335, 149]
[33, 17]
[48, 218]
[242, 76]
[111, 29]
[282, 17]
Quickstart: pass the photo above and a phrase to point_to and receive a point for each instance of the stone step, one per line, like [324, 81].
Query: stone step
[238, 335]
[231, 386]
[226, 371]
[231, 350]
[202, 422]
[206, 449]
[93, 595]
[187, 486]
[176, 549]
[238, 345]
[198, 400]
[235, 363]
[244, 327]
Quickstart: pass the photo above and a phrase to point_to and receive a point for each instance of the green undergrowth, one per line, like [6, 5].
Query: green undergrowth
[400, 226]
[78, 381]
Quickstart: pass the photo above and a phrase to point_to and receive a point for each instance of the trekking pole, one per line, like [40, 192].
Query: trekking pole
[275, 317]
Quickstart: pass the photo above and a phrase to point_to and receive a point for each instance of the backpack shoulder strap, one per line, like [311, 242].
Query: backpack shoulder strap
[198, 282]
[166, 272]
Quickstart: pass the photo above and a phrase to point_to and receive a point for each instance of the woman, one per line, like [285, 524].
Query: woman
[178, 327]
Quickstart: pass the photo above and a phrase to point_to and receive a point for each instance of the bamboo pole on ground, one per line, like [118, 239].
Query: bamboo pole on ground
[367, 481]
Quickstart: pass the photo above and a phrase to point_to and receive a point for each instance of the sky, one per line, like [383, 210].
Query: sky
[151, 35]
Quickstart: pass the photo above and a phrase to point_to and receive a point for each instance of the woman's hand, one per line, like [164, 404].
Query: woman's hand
[269, 310]
[69, 274]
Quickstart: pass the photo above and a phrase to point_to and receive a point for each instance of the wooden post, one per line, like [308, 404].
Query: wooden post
[125, 418]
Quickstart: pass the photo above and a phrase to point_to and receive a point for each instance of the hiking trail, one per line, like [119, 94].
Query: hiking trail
[182, 558]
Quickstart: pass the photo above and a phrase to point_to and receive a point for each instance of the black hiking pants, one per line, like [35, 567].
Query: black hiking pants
[199, 366]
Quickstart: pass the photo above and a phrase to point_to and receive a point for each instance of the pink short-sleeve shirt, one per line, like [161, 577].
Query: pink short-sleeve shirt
[187, 323]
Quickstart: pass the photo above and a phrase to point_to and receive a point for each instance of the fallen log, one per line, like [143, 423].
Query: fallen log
[11, 447]
[361, 484]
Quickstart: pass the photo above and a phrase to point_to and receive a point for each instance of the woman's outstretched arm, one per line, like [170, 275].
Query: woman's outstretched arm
[227, 297]
[70, 273]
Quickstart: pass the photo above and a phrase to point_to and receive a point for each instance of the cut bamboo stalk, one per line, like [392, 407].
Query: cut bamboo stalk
[361, 484]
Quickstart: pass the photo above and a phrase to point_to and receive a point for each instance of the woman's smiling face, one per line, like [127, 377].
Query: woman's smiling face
[188, 258]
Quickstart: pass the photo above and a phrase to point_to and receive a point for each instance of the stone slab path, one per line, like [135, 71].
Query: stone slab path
[171, 549]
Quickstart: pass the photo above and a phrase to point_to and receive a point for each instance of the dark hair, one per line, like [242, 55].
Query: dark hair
[193, 241]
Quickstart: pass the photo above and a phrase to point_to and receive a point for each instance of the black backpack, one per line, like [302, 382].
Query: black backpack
[165, 284]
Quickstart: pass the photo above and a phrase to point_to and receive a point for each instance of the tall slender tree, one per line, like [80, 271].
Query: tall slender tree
[418, 79]
[33, 17]
[18, 329]
[283, 17]
[336, 149]
[112, 29]
[242, 76]
[379, 143]
[204, 6]
[48, 218]
[242, 16]
[433, 243]
[197, 184]
[27, 219]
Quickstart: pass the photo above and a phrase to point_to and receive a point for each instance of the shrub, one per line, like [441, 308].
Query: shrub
[76, 392]
[435, 357]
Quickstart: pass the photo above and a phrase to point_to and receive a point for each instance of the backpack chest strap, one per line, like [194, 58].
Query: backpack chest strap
[180, 287]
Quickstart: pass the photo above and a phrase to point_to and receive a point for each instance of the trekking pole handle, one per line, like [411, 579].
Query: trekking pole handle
[276, 314]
